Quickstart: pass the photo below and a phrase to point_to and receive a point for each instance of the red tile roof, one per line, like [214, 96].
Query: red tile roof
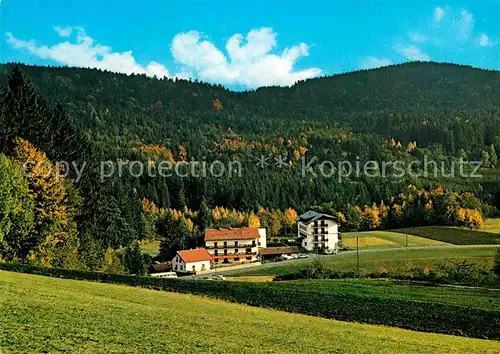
[242, 233]
[196, 255]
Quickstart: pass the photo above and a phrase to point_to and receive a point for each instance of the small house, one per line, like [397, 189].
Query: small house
[191, 261]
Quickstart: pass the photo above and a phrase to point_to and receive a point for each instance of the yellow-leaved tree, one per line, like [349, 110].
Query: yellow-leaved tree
[290, 217]
[54, 240]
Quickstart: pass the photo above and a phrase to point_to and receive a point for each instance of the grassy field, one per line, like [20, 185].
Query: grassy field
[55, 315]
[453, 235]
[384, 260]
[152, 248]
[492, 225]
[481, 298]
[385, 239]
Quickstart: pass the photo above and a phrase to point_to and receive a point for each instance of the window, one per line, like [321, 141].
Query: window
[248, 250]
[253, 243]
[203, 266]
[305, 243]
[226, 260]
[216, 252]
[235, 243]
[225, 252]
[215, 244]
[248, 258]
[225, 243]
[194, 268]
[236, 259]
[315, 224]
[235, 250]
[176, 267]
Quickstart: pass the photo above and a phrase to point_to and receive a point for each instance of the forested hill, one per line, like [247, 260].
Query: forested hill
[403, 113]
[455, 106]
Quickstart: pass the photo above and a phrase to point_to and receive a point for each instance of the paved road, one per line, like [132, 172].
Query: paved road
[346, 253]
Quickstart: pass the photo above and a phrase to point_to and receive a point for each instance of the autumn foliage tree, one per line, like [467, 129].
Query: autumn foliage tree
[53, 205]
[253, 220]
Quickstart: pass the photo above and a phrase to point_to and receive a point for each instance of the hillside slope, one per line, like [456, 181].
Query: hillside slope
[47, 314]
[456, 106]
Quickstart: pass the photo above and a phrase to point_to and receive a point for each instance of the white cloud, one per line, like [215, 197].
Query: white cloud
[374, 62]
[464, 24]
[84, 52]
[412, 52]
[249, 61]
[485, 41]
[438, 14]
[450, 31]
[417, 37]
[63, 31]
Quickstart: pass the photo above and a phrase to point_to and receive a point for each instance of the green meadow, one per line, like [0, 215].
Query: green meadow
[387, 260]
[42, 314]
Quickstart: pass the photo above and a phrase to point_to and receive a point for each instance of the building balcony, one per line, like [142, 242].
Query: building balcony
[239, 245]
[234, 255]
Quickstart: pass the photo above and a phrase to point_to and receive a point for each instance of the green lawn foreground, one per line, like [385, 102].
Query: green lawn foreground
[384, 260]
[43, 314]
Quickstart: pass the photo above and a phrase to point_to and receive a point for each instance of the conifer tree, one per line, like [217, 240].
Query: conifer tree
[134, 260]
[16, 211]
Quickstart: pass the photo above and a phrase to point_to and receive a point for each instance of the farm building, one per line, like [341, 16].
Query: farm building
[319, 232]
[235, 245]
[191, 261]
[275, 252]
[158, 267]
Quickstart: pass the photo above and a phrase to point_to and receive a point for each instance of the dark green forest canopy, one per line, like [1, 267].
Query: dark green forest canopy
[448, 110]
[431, 103]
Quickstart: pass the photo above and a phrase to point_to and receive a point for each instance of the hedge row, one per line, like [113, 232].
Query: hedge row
[420, 316]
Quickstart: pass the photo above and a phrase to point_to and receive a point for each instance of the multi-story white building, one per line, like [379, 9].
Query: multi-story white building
[319, 232]
[191, 261]
[235, 245]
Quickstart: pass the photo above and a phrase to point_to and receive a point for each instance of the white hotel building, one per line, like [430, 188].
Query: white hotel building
[319, 232]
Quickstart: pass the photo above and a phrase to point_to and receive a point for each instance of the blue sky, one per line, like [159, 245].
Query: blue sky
[248, 43]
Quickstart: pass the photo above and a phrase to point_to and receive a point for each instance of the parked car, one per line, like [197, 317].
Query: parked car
[286, 257]
[334, 251]
[164, 275]
[303, 255]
